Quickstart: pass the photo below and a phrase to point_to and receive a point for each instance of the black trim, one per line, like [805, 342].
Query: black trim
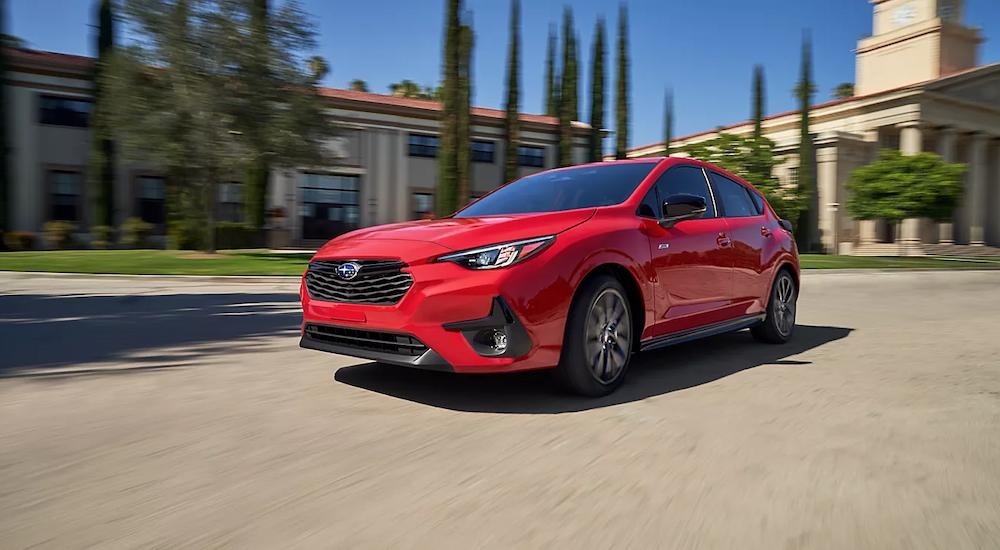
[429, 360]
[731, 325]
[501, 317]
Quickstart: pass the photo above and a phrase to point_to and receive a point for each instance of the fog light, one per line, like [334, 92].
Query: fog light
[494, 339]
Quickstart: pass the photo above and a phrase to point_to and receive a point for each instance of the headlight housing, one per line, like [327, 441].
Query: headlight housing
[499, 255]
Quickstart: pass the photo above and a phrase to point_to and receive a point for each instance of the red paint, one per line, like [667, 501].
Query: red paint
[712, 270]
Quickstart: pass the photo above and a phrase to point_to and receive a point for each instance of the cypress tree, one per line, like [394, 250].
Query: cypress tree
[447, 188]
[568, 97]
[622, 87]
[4, 182]
[512, 130]
[758, 101]
[102, 150]
[463, 145]
[668, 121]
[258, 173]
[807, 227]
[551, 79]
[597, 82]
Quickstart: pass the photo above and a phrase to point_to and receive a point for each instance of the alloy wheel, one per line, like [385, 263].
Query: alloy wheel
[784, 305]
[609, 336]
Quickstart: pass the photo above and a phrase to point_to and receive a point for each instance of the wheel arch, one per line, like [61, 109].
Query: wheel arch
[633, 293]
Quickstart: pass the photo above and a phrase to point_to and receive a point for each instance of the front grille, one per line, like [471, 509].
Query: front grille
[367, 340]
[378, 282]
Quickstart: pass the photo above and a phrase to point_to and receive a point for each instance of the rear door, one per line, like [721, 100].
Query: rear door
[691, 259]
[748, 229]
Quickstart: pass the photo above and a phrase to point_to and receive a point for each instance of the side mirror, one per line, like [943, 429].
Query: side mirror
[786, 225]
[680, 207]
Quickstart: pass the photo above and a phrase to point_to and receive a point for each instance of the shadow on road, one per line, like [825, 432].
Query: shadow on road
[653, 373]
[51, 331]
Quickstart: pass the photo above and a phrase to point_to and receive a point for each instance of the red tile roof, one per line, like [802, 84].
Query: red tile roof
[77, 62]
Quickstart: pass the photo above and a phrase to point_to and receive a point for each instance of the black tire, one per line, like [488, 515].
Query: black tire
[597, 347]
[779, 325]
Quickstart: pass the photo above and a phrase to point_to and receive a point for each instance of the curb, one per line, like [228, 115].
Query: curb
[177, 278]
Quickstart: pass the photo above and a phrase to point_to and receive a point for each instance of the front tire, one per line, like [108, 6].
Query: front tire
[778, 326]
[597, 347]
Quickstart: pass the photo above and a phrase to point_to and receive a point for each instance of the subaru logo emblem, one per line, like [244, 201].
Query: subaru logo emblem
[348, 271]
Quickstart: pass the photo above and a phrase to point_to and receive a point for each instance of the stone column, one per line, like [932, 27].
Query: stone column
[868, 230]
[910, 143]
[947, 146]
[976, 200]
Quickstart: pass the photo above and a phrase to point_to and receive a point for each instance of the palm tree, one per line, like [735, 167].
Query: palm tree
[843, 91]
[318, 67]
[358, 85]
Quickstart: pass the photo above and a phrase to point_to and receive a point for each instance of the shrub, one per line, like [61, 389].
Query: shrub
[229, 235]
[135, 233]
[185, 235]
[100, 236]
[19, 240]
[59, 234]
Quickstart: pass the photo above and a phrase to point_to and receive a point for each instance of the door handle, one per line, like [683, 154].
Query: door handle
[764, 231]
[723, 241]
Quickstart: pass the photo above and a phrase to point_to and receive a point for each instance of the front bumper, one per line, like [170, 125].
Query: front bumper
[447, 307]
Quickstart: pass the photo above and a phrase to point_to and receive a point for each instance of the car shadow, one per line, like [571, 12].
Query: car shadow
[653, 373]
[147, 331]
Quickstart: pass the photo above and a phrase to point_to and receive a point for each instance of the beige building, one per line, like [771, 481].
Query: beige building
[919, 87]
[385, 167]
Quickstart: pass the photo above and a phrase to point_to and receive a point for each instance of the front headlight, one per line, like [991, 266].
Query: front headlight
[499, 255]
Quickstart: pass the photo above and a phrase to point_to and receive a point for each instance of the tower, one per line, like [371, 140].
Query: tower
[913, 41]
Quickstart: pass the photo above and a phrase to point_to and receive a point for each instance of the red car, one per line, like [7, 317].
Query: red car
[575, 269]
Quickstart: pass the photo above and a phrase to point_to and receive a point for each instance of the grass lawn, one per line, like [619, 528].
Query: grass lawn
[156, 262]
[259, 262]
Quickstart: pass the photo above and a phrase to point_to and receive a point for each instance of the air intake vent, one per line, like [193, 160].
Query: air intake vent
[367, 340]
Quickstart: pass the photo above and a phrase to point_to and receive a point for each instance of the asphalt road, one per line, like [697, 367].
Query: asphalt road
[153, 413]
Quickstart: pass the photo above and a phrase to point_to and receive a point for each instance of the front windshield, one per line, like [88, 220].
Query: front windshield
[557, 190]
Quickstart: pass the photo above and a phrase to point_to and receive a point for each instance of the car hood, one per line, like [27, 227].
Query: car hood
[466, 233]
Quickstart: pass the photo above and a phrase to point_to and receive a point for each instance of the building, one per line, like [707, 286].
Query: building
[919, 87]
[385, 167]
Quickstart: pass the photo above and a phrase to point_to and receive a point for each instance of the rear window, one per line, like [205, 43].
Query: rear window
[558, 190]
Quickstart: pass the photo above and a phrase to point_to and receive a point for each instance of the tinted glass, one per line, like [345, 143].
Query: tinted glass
[558, 190]
[733, 197]
[689, 180]
[758, 202]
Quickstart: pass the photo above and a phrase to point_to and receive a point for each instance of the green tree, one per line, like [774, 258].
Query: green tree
[758, 101]
[843, 90]
[622, 87]
[753, 160]
[569, 107]
[410, 89]
[597, 82]
[511, 127]
[4, 174]
[447, 187]
[807, 228]
[101, 172]
[463, 146]
[668, 121]
[11, 41]
[190, 96]
[318, 66]
[551, 80]
[898, 186]
[358, 85]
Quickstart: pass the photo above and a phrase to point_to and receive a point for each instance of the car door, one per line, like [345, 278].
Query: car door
[748, 229]
[690, 259]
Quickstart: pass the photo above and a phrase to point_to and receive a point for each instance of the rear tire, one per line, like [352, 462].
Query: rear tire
[597, 347]
[778, 326]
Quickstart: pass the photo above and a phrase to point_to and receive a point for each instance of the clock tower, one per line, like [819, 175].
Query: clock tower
[913, 41]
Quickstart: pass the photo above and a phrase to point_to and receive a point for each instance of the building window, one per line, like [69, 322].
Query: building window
[422, 145]
[423, 206]
[230, 202]
[531, 156]
[483, 151]
[150, 194]
[65, 188]
[64, 111]
[793, 176]
[329, 205]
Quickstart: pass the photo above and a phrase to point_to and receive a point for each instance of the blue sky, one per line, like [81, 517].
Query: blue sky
[705, 50]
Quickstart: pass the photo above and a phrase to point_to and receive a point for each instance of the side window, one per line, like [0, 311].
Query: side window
[689, 180]
[734, 199]
[758, 202]
[651, 206]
